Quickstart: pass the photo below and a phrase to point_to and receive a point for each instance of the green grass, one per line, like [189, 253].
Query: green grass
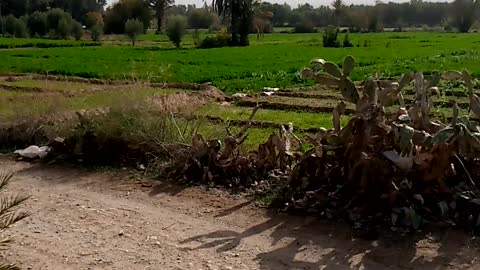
[272, 61]
[11, 43]
[302, 120]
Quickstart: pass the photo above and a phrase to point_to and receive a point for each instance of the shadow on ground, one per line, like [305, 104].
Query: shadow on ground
[305, 243]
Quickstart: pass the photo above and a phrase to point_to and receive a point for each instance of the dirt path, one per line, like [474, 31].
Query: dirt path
[93, 220]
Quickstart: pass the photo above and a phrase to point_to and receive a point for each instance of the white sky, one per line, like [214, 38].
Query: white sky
[295, 3]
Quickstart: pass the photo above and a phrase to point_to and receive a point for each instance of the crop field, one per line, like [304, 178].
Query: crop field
[272, 61]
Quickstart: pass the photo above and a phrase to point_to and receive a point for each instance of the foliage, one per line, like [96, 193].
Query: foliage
[117, 16]
[176, 26]
[304, 27]
[133, 28]
[159, 7]
[346, 41]
[77, 30]
[9, 213]
[241, 14]
[64, 28]
[221, 39]
[464, 13]
[200, 18]
[94, 18]
[37, 24]
[96, 32]
[330, 38]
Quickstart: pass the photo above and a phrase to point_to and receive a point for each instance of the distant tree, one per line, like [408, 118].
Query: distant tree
[77, 30]
[280, 14]
[240, 13]
[338, 9]
[159, 7]
[64, 28]
[464, 14]
[94, 18]
[200, 18]
[117, 16]
[15, 27]
[37, 23]
[133, 28]
[176, 26]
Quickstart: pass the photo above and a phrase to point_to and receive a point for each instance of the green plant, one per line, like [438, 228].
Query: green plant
[64, 28]
[96, 32]
[133, 28]
[305, 26]
[37, 23]
[346, 41]
[9, 214]
[77, 30]
[176, 26]
[330, 38]
[94, 18]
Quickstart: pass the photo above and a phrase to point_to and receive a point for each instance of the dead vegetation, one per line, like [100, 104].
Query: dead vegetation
[388, 167]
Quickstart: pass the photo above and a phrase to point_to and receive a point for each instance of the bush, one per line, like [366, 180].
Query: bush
[133, 28]
[304, 27]
[64, 28]
[77, 30]
[346, 41]
[176, 26]
[330, 38]
[96, 32]
[222, 39]
[37, 23]
[54, 16]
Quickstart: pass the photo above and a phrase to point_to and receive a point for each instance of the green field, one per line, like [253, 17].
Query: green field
[272, 61]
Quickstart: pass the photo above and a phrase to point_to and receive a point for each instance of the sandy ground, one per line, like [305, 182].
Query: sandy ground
[85, 219]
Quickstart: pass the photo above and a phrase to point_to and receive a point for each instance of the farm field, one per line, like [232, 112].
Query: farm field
[273, 61]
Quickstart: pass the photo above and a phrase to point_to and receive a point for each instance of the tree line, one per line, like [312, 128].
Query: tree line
[242, 17]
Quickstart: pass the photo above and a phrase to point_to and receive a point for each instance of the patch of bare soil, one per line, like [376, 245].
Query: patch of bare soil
[113, 220]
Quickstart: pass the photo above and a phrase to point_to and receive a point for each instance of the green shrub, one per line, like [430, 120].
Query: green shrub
[15, 27]
[346, 41]
[176, 26]
[304, 27]
[133, 28]
[96, 32]
[37, 23]
[64, 28]
[222, 39]
[330, 38]
[77, 30]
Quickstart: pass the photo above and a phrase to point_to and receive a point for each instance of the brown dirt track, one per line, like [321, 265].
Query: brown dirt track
[111, 220]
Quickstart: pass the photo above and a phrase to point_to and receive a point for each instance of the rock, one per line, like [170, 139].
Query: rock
[239, 95]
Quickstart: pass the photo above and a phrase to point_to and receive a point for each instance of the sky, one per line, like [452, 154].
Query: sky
[294, 3]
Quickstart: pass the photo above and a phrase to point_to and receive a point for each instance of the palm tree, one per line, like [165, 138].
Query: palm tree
[160, 6]
[9, 214]
[338, 7]
[240, 13]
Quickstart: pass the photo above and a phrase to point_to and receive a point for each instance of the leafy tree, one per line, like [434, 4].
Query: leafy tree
[117, 16]
[159, 7]
[240, 13]
[338, 9]
[133, 28]
[176, 26]
[200, 18]
[77, 30]
[37, 23]
[94, 18]
[64, 28]
[464, 14]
